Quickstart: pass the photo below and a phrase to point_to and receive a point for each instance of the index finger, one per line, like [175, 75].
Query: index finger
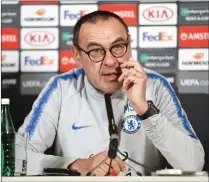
[121, 163]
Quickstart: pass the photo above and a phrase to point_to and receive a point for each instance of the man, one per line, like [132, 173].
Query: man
[70, 111]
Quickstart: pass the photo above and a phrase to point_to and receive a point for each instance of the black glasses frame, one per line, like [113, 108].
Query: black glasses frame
[105, 52]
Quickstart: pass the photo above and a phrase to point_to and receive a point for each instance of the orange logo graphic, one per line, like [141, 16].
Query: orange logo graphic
[83, 12]
[41, 11]
[198, 55]
[47, 61]
[3, 57]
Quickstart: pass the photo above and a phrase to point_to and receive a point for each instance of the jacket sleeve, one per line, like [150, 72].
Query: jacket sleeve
[40, 126]
[170, 130]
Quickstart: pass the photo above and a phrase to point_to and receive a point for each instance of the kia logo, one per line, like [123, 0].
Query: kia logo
[39, 38]
[158, 14]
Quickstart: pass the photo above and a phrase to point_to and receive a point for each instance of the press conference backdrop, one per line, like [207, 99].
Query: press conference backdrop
[169, 37]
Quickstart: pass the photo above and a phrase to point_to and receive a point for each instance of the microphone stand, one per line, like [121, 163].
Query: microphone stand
[114, 139]
[113, 145]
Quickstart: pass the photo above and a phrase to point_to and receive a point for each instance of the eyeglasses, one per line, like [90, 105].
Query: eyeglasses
[98, 54]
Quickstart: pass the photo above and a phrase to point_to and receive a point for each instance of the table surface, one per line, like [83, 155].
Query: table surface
[102, 179]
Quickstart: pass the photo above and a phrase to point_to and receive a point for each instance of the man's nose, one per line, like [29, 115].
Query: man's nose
[110, 60]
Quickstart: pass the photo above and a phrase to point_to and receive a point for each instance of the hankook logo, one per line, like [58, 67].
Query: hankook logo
[193, 59]
[39, 15]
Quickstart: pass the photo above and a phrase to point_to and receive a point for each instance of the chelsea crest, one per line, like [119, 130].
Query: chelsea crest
[131, 124]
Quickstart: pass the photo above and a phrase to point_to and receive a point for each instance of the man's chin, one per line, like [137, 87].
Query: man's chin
[112, 87]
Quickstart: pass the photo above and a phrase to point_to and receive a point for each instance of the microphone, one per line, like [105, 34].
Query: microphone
[113, 145]
[114, 138]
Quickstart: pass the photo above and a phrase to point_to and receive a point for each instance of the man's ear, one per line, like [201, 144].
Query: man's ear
[76, 55]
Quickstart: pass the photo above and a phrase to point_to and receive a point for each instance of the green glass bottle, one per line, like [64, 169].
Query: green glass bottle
[7, 139]
[2, 158]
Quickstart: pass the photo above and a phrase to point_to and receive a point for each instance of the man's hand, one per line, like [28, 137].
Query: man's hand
[86, 165]
[135, 81]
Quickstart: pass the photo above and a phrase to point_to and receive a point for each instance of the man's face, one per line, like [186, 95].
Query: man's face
[103, 75]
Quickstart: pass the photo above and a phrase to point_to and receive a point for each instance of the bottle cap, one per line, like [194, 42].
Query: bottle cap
[5, 101]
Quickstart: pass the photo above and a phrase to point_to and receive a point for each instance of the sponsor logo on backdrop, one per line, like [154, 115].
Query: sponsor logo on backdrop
[198, 55]
[156, 14]
[171, 78]
[133, 33]
[128, 12]
[73, 16]
[193, 59]
[160, 60]
[67, 37]
[157, 37]
[69, 14]
[39, 15]
[193, 82]
[67, 61]
[145, 58]
[10, 16]
[32, 84]
[6, 83]
[194, 13]
[194, 36]
[39, 61]
[9, 61]
[46, 38]
[10, 38]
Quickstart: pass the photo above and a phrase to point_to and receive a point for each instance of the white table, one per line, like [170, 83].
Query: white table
[102, 179]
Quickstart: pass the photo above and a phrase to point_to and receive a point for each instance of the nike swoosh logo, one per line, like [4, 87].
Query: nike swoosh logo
[79, 127]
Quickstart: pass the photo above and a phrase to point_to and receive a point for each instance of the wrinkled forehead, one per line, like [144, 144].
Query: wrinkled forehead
[103, 31]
